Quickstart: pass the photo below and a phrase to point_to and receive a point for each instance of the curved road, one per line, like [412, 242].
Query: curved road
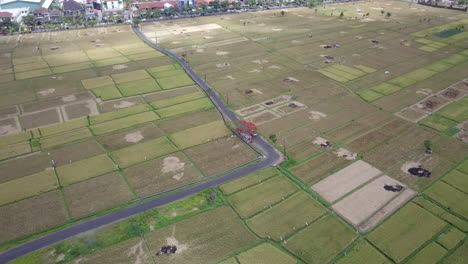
[271, 157]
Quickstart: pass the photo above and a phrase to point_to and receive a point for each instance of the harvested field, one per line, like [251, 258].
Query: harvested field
[9, 126]
[321, 241]
[40, 119]
[199, 243]
[265, 254]
[85, 169]
[32, 215]
[14, 168]
[130, 137]
[366, 201]
[96, 194]
[161, 174]
[80, 110]
[405, 232]
[362, 252]
[130, 251]
[346, 180]
[285, 218]
[411, 114]
[220, 155]
[261, 196]
[200, 134]
[142, 152]
[247, 181]
[75, 152]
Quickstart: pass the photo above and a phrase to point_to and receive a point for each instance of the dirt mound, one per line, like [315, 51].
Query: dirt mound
[119, 67]
[69, 98]
[424, 91]
[344, 153]
[316, 115]
[123, 104]
[260, 61]
[173, 165]
[46, 91]
[290, 80]
[222, 65]
[134, 137]
[221, 53]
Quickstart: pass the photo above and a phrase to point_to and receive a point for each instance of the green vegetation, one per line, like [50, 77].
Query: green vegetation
[247, 181]
[107, 92]
[283, 219]
[141, 152]
[265, 254]
[198, 104]
[15, 138]
[405, 231]
[63, 127]
[177, 100]
[139, 87]
[438, 123]
[449, 197]
[321, 241]
[430, 254]
[200, 134]
[97, 82]
[85, 169]
[175, 81]
[14, 150]
[38, 183]
[457, 111]
[362, 252]
[451, 238]
[260, 196]
[130, 76]
[65, 137]
[124, 122]
[119, 114]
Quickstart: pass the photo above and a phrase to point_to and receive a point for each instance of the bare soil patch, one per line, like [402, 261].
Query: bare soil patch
[173, 165]
[134, 137]
[346, 154]
[346, 180]
[250, 109]
[424, 91]
[290, 108]
[79, 110]
[129, 137]
[113, 105]
[262, 117]
[432, 104]
[46, 92]
[411, 114]
[9, 126]
[120, 67]
[276, 101]
[362, 204]
[452, 93]
[316, 115]
[221, 53]
[9, 112]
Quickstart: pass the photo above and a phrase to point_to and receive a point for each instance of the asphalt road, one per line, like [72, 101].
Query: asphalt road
[271, 157]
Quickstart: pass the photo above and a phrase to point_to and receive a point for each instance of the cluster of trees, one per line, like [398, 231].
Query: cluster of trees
[7, 24]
